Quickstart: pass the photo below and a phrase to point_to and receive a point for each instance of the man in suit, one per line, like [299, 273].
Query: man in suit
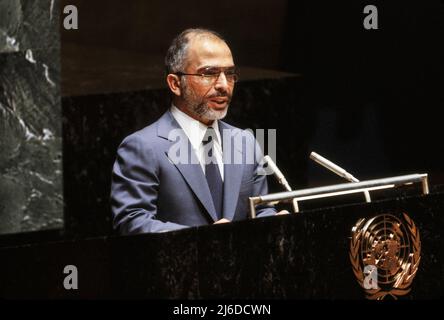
[189, 168]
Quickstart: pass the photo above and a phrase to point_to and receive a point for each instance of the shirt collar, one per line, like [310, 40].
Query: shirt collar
[194, 129]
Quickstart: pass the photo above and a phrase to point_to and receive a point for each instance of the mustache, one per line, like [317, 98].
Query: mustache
[220, 95]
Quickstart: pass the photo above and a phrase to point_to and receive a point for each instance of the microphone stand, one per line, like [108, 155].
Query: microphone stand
[281, 179]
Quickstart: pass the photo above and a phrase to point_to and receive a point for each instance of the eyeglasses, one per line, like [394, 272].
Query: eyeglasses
[209, 76]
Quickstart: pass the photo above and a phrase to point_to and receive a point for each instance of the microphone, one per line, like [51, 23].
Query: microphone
[332, 167]
[280, 177]
[338, 170]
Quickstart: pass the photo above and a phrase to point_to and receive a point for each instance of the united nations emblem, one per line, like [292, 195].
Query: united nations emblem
[385, 252]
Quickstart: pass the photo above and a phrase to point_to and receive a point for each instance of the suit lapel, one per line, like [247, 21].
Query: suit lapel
[232, 169]
[188, 165]
[194, 176]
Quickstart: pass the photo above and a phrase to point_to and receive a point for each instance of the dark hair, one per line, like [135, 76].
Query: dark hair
[177, 52]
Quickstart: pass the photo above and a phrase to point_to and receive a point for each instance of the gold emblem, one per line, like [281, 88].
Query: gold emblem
[385, 252]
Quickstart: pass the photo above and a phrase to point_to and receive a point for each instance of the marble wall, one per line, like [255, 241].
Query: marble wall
[30, 116]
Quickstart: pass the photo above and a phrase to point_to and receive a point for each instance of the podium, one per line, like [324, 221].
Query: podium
[297, 256]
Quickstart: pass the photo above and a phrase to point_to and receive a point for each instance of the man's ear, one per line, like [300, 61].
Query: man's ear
[174, 84]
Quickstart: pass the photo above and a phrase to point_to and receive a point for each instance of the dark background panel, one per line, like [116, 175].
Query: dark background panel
[253, 28]
[376, 92]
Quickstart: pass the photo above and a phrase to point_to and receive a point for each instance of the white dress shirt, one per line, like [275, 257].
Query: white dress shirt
[195, 132]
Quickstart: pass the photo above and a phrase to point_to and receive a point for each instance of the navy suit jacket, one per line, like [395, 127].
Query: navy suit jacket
[152, 192]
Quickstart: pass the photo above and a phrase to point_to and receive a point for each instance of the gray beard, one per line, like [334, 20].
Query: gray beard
[201, 109]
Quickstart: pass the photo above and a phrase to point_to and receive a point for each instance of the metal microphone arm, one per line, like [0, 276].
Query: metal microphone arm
[338, 170]
[281, 179]
[278, 174]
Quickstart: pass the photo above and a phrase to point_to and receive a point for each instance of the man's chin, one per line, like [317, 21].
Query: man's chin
[207, 113]
[217, 114]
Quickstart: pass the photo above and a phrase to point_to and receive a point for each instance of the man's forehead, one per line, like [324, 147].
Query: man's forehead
[208, 50]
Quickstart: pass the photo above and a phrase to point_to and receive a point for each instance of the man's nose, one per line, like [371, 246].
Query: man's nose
[221, 82]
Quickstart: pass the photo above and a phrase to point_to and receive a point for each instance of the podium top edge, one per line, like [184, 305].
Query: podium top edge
[397, 180]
